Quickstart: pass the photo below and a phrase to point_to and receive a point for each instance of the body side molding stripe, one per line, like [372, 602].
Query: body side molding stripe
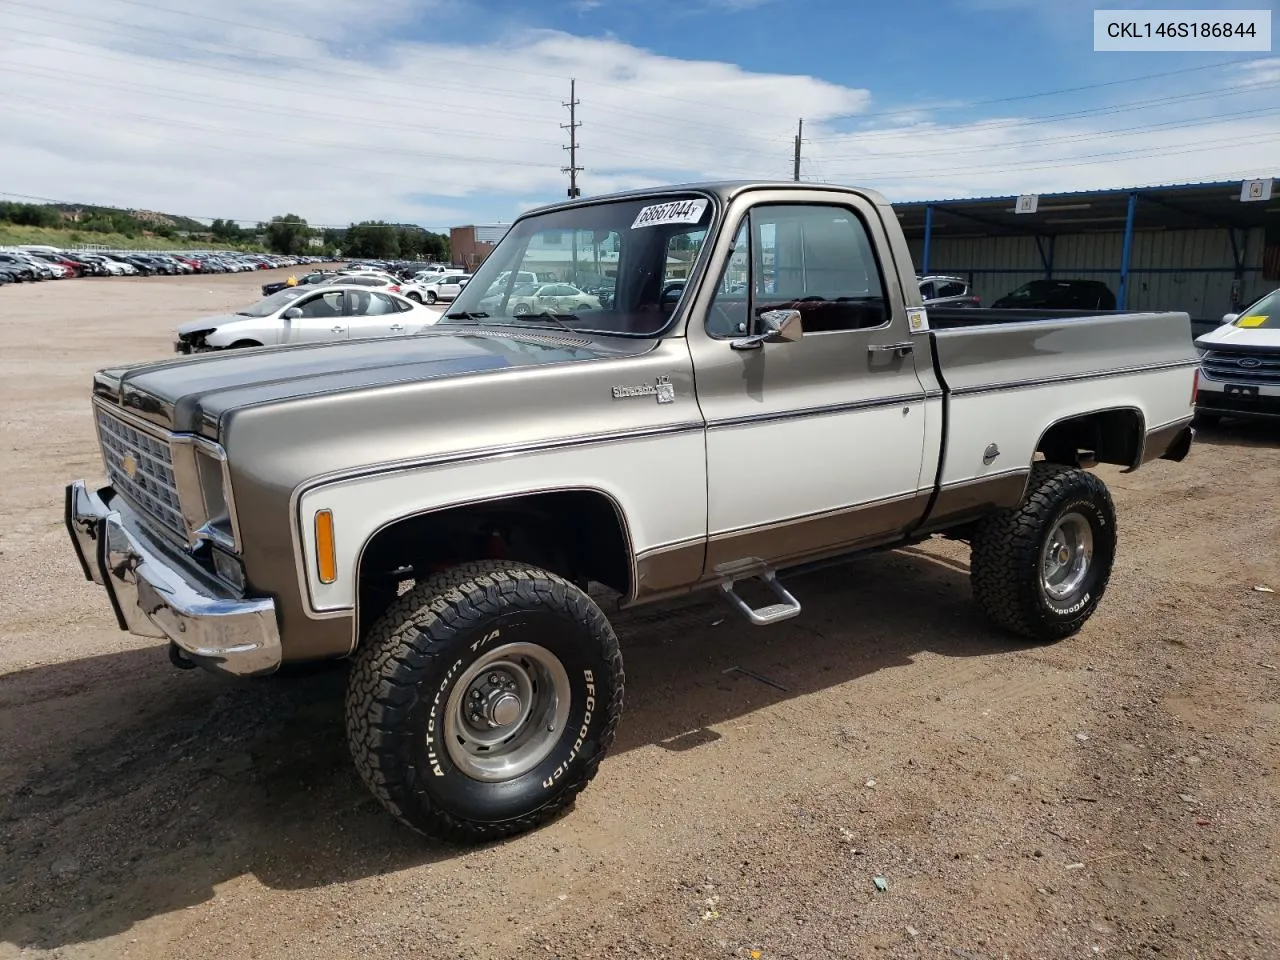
[1071, 377]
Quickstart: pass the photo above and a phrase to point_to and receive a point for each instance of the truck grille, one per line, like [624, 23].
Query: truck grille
[141, 468]
[1242, 367]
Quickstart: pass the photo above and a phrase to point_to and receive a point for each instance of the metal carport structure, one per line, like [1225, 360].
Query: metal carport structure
[1196, 247]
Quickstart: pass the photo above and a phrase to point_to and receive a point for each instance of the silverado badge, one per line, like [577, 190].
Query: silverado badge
[662, 388]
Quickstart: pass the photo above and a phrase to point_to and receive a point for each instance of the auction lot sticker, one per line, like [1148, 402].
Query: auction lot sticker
[1161, 31]
[677, 211]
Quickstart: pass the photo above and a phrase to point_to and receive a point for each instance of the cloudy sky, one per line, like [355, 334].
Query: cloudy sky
[444, 112]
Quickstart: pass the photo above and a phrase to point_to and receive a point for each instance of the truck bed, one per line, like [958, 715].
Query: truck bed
[980, 349]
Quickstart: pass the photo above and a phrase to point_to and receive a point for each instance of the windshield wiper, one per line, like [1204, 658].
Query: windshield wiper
[559, 318]
[467, 315]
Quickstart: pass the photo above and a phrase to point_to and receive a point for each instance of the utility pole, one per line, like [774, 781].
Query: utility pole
[572, 126]
[795, 174]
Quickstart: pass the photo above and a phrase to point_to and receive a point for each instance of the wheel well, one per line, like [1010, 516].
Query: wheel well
[579, 534]
[244, 343]
[1104, 436]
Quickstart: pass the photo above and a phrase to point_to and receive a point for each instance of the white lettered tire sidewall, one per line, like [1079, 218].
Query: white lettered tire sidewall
[451, 789]
[415, 655]
[1086, 596]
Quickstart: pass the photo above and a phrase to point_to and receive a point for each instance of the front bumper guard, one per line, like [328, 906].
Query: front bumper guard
[153, 597]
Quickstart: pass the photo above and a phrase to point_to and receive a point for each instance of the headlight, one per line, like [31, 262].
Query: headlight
[213, 491]
[200, 469]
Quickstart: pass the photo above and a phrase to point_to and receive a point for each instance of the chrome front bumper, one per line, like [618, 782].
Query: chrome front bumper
[153, 597]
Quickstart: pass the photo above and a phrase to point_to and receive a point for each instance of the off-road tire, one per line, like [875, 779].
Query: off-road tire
[1006, 554]
[406, 668]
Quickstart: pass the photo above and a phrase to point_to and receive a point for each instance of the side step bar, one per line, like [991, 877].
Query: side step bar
[786, 607]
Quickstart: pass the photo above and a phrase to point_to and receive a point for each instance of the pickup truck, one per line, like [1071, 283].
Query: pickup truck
[786, 403]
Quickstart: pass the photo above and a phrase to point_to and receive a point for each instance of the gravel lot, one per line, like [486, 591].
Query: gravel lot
[1113, 794]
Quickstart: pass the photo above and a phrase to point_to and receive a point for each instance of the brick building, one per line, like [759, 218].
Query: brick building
[469, 245]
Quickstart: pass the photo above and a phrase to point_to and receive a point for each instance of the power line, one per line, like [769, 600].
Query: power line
[1111, 110]
[970, 104]
[572, 126]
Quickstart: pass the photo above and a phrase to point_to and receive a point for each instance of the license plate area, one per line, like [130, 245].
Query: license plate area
[1240, 389]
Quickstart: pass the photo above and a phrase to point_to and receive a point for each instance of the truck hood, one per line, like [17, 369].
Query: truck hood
[191, 394]
[1233, 338]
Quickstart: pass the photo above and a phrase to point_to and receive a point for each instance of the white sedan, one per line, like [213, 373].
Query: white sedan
[312, 314]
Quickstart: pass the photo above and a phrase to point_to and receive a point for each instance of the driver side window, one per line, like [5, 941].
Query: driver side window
[324, 305]
[814, 258]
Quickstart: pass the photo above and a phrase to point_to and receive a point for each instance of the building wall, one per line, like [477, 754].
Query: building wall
[466, 249]
[1188, 270]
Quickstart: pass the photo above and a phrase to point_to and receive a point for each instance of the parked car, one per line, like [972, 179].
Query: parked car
[940, 291]
[1240, 369]
[553, 297]
[19, 267]
[384, 281]
[307, 279]
[435, 288]
[311, 314]
[268, 510]
[1059, 295]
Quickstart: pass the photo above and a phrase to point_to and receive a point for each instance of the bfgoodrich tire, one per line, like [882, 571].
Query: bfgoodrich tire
[1040, 569]
[482, 702]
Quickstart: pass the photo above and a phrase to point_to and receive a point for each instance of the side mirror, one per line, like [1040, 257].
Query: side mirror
[780, 326]
[1230, 317]
[293, 313]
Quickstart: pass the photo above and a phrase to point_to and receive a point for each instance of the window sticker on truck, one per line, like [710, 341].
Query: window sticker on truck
[917, 319]
[678, 211]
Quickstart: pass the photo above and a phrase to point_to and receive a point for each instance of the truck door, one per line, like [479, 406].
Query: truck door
[816, 444]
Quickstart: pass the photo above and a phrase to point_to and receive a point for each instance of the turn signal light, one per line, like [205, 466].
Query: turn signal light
[326, 550]
[1195, 387]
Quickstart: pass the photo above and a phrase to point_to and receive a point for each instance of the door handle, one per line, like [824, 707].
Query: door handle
[397, 326]
[338, 329]
[901, 349]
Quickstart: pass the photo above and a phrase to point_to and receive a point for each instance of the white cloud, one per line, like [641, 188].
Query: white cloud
[242, 112]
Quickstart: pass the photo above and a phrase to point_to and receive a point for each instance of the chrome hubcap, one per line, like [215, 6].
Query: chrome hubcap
[506, 711]
[1067, 554]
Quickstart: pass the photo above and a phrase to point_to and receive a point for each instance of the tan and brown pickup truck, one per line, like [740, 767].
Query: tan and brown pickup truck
[762, 392]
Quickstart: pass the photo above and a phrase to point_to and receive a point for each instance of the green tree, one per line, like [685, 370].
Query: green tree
[286, 234]
[372, 238]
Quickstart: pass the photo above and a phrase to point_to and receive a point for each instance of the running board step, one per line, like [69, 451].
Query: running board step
[787, 607]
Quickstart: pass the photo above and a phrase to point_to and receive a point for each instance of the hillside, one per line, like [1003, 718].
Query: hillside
[11, 234]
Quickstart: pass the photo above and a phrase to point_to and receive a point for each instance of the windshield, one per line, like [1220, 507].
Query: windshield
[644, 249]
[269, 305]
[1265, 314]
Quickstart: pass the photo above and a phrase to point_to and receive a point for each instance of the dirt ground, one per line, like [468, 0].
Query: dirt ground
[1114, 794]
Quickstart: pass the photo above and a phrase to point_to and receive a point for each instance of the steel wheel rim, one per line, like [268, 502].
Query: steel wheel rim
[1067, 556]
[490, 738]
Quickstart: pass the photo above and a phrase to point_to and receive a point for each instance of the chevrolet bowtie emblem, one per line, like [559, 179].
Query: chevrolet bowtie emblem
[130, 465]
